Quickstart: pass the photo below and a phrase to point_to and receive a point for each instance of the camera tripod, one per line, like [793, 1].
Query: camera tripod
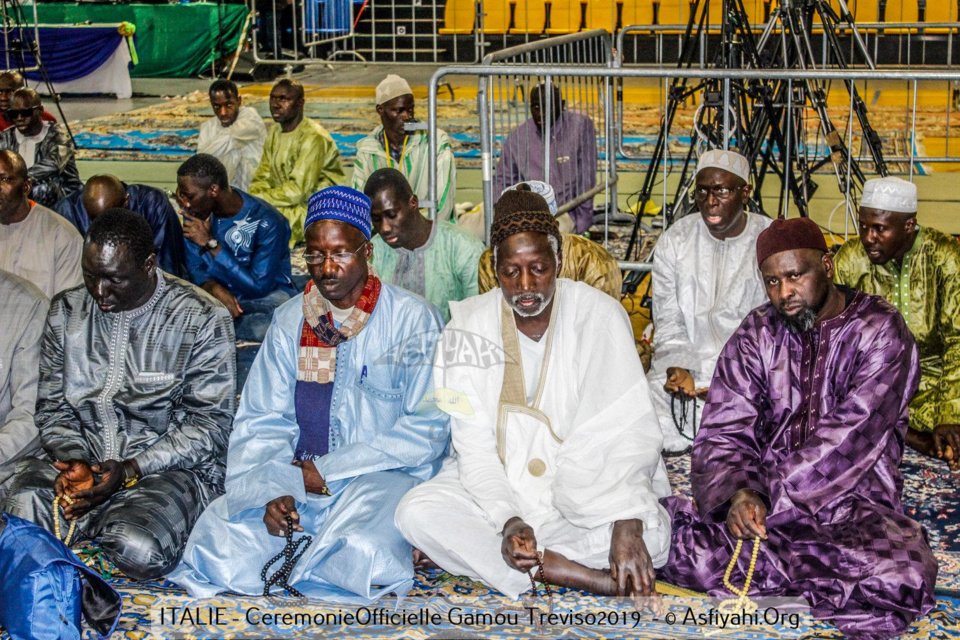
[20, 39]
[765, 120]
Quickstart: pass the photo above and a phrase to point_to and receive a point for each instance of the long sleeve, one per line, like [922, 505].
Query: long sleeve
[468, 258]
[473, 432]
[240, 143]
[58, 423]
[507, 172]
[446, 178]
[364, 164]
[260, 278]
[69, 252]
[864, 428]
[207, 403]
[55, 157]
[198, 266]
[71, 208]
[486, 276]
[671, 343]
[265, 430]
[167, 231]
[316, 166]
[726, 453]
[949, 324]
[18, 434]
[587, 174]
[420, 433]
[608, 463]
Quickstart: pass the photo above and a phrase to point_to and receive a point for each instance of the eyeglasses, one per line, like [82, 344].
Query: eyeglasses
[338, 258]
[720, 193]
[13, 114]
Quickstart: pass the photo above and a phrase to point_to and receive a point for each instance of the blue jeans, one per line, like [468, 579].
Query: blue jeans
[257, 313]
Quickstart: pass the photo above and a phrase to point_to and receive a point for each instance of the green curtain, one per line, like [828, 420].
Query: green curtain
[178, 40]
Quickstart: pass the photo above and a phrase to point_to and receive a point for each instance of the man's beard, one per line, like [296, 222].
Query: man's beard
[800, 322]
[541, 299]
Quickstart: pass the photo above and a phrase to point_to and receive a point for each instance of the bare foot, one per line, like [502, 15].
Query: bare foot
[421, 562]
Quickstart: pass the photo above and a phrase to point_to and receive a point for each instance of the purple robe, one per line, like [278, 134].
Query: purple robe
[573, 170]
[815, 424]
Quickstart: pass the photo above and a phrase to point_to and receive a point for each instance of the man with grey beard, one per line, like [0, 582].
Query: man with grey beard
[800, 447]
[557, 466]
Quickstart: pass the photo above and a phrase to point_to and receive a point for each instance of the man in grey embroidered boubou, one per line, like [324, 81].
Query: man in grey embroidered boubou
[135, 403]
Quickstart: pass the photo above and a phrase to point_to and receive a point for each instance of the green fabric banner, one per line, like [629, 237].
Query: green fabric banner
[173, 40]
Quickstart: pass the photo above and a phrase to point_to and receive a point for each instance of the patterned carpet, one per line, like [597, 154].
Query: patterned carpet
[168, 131]
[465, 609]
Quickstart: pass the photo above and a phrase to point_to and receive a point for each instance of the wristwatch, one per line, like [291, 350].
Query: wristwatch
[211, 244]
[130, 475]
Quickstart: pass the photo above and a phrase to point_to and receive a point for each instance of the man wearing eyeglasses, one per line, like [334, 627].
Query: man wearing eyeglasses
[705, 281]
[336, 423]
[44, 147]
[236, 245]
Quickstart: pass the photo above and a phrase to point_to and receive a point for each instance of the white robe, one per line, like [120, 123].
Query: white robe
[597, 460]
[702, 289]
[43, 249]
[238, 146]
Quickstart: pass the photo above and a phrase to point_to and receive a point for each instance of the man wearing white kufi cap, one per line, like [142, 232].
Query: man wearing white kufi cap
[389, 145]
[705, 281]
[917, 269]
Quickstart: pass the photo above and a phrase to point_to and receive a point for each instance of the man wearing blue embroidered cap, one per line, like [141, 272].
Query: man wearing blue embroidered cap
[335, 425]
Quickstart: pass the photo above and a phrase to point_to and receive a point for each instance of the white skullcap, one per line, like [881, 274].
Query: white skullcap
[393, 86]
[890, 194]
[542, 189]
[727, 160]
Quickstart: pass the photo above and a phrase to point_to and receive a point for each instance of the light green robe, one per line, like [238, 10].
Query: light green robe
[294, 166]
[414, 165]
[926, 290]
[443, 269]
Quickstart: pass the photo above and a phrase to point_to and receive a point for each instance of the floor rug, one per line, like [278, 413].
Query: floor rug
[445, 606]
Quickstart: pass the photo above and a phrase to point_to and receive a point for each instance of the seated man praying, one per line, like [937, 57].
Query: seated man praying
[335, 425]
[800, 447]
[136, 398]
[917, 270]
[237, 245]
[434, 259]
[102, 192]
[557, 444]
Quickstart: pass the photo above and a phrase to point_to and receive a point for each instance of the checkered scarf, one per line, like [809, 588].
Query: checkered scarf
[319, 337]
[317, 363]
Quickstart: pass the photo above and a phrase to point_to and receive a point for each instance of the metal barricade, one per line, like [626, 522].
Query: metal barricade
[916, 82]
[310, 32]
[903, 39]
[567, 150]
[940, 101]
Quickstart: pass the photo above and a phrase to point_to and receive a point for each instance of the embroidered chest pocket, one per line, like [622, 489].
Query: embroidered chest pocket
[379, 392]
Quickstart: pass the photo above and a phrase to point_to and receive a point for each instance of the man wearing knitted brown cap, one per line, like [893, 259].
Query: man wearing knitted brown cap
[557, 467]
[799, 449]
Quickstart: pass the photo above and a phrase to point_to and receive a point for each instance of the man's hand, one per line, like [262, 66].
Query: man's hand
[313, 482]
[747, 517]
[223, 294]
[946, 444]
[111, 480]
[680, 383]
[276, 516]
[630, 563]
[75, 475]
[519, 546]
[196, 230]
